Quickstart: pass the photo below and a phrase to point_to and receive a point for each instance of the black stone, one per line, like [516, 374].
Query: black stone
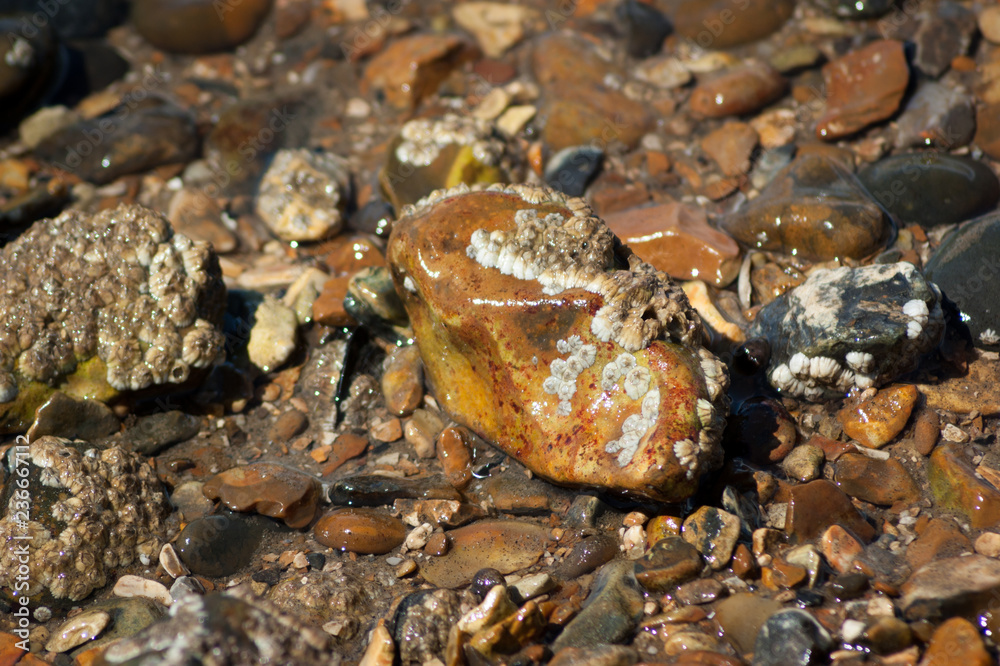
[644, 27]
[267, 576]
[152, 434]
[316, 560]
[571, 169]
[484, 581]
[375, 490]
[588, 554]
[789, 638]
[846, 586]
[219, 545]
[932, 189]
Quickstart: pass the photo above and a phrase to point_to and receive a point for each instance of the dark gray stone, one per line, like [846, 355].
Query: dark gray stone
[611, 612]
[219, 545]
[789, 638]
[571, 169]
[859, 9]
[644, 27]
[154, 433]
[937, 116]
[63, 416]
[945, 32]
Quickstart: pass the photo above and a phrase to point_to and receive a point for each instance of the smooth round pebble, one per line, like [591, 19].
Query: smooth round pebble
[360, 530]
[218, 545]
[78, 630]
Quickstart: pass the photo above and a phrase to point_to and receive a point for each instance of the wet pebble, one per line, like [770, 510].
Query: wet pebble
[292, 422]
[610, 613]
[219, 545]
[372, 299]
[601, 655]
[956, 487]
[814, 506]
[571, 169]
[190, 500]
[964, 267]
[79, 629]
[421, 432]
[198, 26]
[576, 115]
[676, 238]
[730, 147]
[149, 135]
[791, 637]
[507, 546]
[379, 490]
[270, 489]
[718, 24]
[936, 116]
[68, 417]
[496, 26]
[932, 189]
[884, 482]
[714, 533]
[813, 209]
[950, 586]
[804, 463]
[137, 586]
[454, 456]
[858, 9]
[199, 217]
[411, 68]
[701, 591]
[840, 548]
[644, 28]
[303, 195]
[741, 617]
[876, 420]
[956, 641]
[403, 380]
[273, 336]
[668, 563]
[765, 428]
[938, 539]
[863, 87]
[945, 32]
[738, 91]
[360, 530]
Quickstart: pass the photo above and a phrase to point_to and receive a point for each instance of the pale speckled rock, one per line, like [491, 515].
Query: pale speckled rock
[533, 349]
[78, 630]
[272, 338]
[846, 328]
[303, 194]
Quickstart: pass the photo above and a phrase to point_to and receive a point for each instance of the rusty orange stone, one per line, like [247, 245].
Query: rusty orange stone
[360, 530]
[956, 487]
[602, 385]
[269, 489]
[956, 641]
[413, 67]
[876, 421]
[738, 91]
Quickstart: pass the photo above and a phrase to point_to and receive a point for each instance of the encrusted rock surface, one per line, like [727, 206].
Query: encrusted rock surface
[89, 511]
[99, 304]
[557, 344]
[849, 328]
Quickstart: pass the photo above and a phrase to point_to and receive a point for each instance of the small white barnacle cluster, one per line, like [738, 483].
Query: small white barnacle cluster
[811, 377]
[561, 381]
[118, 285]
[637, 377]
[422, 139]
[635, 428]
[989, 337]
[109, 509]
[575, 249]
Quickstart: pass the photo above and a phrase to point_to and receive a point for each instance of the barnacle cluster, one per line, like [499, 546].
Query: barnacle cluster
[423, 139]
[303, 194]
[119, 286]
[89, 511]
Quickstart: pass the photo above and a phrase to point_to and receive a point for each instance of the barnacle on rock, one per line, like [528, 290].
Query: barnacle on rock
[119, 288]
[89, 511]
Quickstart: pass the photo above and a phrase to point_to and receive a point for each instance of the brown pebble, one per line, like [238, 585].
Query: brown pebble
[743, 562]
[422, 430]
[840, 548]
[738, 91]
[876, 422]
[816, 505]
[941, 538]
[926, 431]
[884, 482]
[328, 308]
[288, 425]
[403, 380]
[730, 147]
[863, 87]
[389, 430]
[454, 456]
[360, 530]
[198, 26]
[269, 489]
[438, 544]
[347, 445]
[413, 67]
[956, 641]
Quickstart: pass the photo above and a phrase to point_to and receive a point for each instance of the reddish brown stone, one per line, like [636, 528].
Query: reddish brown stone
[346, 446]
[328, 308]
[412, 68]
[454, 456]
[346, 254]
[956, 641]
[816, 505]
[578, 113]
[940, 538]
[360, 530]
[9, 652]
[876, 421]
[560, 57]
[677, 239]
[863, 87]
[884, 482]
[956, 487]
[403, 381]
[738, 91]
[269, 489]
[720, 24]
[832, 448]
[926, 431]
[731, 146]
[840, 548]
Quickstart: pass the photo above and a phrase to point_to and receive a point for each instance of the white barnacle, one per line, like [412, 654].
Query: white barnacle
[989, 337]
[551, 385]
[823, 367]
[798, 365]
[637, 382]
[859, 361]
[651, 406]
[916, 309]
[687, 455]
[913, 329]
[705, 411]
[409, 284]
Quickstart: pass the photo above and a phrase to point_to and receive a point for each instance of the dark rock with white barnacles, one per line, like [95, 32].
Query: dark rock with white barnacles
[849, 328]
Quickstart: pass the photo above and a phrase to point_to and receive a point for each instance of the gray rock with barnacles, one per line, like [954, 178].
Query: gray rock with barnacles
[848, 328]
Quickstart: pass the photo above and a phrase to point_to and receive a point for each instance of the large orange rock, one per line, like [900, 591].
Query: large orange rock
[547, 337]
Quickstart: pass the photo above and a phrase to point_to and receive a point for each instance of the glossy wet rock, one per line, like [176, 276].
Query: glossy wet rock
[864, 87]
[884, 482]
[932, 189]
[93, 512]
[644, 28]
[876, 421]
[849, 327]
[123, 141]
[950, 586]
[677, 239]
[273, 336]
[714, 533]
[360, 530]
[956, 641]
[816, 505]
[956, 487]
[741, 616]
[411, 68]
[424, 620]
[126, 281]
[303, 195]
[668, 563]
[377, 490]
[577, 114]
[766, 429]
[937, 115]
[268, 489]
[504, 545]
[565, 349]
[610, 613]
[737, 91]
[720, 24]
[437, 153]
[63, 416]
[588, 554]
[198, 26]
[219, 545]
[966, 268]
[813, 209]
